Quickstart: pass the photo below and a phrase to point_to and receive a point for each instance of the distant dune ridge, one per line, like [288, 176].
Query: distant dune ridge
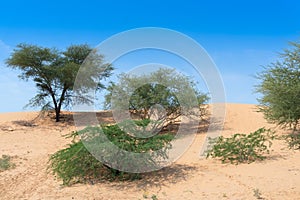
[30, 141]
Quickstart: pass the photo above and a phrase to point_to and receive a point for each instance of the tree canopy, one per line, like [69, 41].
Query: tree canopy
[280, 89]
[161, 96]
[54, 72]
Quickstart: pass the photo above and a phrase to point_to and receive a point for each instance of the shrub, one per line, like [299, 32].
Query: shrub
[241, 148]
[5, 163]
[280, 89]
[293, 140]
[76, 164]
[163, 95]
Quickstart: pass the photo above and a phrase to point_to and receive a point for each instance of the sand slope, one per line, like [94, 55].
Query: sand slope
[31, 143]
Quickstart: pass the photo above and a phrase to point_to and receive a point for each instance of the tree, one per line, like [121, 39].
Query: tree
[280, 89]
[54, 73]
[161, 96]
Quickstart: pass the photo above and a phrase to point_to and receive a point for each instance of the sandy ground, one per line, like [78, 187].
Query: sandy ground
[32, 142]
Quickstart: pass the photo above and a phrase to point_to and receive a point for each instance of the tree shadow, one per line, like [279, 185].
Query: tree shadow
[106, 117]
[29, 123]
[163, 177]
[276, 157]
[48, 118]
[67, 118]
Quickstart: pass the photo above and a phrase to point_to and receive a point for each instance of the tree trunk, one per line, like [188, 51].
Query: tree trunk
[57, 115]
[58, 107]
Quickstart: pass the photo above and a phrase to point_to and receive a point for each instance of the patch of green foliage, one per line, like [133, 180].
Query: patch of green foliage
[293, 140]
[280, 89]
[163, 95]
[5, 163]
[242, 148]
[54, 73]
[76, 164]
[257, 194]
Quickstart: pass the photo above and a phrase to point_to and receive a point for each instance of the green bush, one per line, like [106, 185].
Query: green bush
[77, 164]
[163, 94]
[5, 163]
[241, 148]
[280, 89]
[293, 141]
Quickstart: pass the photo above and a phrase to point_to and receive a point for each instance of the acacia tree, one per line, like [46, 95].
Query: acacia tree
[280, 89]
[54, 73]
[161, 96]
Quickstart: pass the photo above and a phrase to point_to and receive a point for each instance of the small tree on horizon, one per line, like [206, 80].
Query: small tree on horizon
[54, 73]
[280, 89]
[161, 96]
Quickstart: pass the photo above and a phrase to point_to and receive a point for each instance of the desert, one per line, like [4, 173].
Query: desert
[30, 140]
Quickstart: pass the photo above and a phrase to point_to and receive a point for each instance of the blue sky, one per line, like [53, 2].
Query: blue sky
[240, 36]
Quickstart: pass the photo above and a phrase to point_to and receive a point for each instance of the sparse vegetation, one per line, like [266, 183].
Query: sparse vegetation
[154, 197]
[241, 148]
[293, 140]
[257, 194]
[77, 164]
[5, 163]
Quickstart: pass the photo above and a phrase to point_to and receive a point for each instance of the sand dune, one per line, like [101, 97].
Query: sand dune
[31, 140]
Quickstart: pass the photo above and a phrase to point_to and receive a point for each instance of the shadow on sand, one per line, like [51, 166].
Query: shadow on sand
[163, 177]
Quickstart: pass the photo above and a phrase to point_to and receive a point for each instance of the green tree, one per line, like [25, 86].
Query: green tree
[161, 96]
[280, 89]
[54, 73]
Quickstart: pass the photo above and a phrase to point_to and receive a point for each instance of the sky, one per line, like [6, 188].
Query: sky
[240, 36]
